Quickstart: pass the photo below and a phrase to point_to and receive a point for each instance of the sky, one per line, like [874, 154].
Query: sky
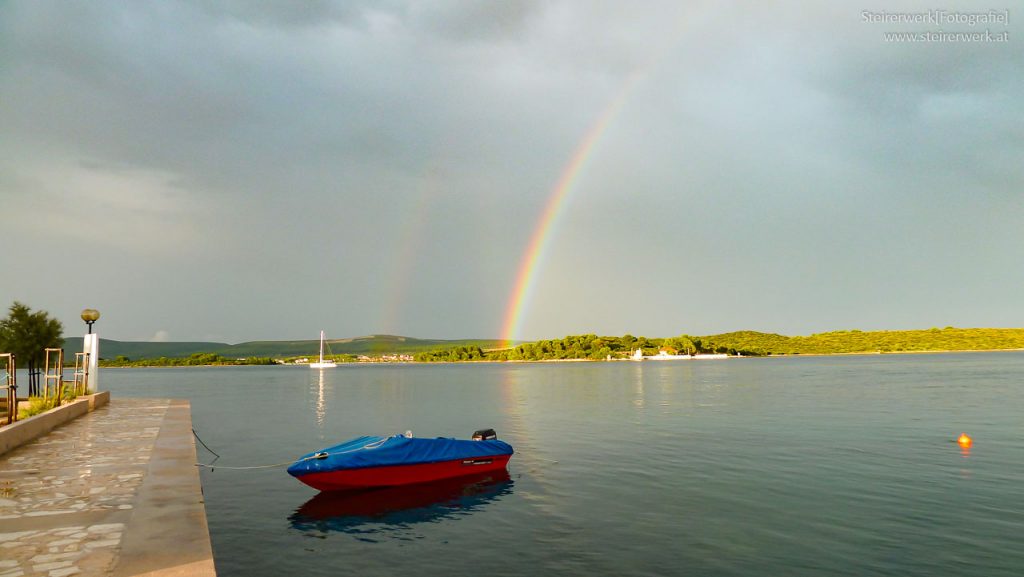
[234, 171]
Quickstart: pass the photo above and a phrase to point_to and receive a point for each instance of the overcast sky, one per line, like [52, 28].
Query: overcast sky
[237, 171]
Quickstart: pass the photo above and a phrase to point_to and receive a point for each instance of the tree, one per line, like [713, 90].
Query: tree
[684, 344]
[27, 335]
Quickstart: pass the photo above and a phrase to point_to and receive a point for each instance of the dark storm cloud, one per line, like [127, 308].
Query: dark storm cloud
[459, 21]
[928, 107]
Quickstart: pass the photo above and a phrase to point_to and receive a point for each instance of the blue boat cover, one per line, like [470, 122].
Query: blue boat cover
[363, 452]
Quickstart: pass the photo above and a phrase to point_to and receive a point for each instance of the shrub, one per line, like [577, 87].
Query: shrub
[36, 405]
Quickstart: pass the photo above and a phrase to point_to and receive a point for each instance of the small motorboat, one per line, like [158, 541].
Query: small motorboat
[372, 462]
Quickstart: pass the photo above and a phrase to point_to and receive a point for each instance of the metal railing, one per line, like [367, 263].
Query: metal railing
[8, 388]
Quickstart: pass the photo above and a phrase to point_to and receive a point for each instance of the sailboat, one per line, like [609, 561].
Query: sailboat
[322, 364]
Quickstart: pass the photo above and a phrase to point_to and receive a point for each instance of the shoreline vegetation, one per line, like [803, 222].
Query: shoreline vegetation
[591, 347]
[193, 360]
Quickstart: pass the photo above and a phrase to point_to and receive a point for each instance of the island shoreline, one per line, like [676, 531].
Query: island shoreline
[543, 361]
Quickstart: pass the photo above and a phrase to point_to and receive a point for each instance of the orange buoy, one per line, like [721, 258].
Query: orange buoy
[965, 441]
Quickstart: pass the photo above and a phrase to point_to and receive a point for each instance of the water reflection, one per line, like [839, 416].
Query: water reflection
[638, 387]
[350, 511]
[321, 403]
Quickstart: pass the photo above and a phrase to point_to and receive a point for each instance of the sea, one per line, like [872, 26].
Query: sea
[843, 465]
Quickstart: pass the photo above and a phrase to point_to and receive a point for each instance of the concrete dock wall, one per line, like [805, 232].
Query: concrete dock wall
[167, 535]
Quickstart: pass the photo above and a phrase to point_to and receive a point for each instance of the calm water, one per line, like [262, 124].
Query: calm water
[803, 466]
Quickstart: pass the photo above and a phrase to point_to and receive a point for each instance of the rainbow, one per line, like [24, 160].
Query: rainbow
[413, 228]
[533, 259]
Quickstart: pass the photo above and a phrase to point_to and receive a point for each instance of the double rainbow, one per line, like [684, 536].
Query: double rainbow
[533, 259]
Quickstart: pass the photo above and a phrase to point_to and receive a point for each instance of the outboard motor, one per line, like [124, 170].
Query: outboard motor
[485, 435]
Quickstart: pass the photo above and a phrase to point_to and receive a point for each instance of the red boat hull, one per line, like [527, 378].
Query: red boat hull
[393, 476]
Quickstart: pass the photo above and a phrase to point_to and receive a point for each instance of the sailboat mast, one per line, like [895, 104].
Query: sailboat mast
[321, 346]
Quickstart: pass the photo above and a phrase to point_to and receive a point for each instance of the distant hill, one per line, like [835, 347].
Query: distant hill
[744, 342]
[368, 345]
[854, 341]
[110, 349]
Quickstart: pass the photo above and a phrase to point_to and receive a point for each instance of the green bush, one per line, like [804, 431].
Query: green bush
[36, 406]
[70, 394]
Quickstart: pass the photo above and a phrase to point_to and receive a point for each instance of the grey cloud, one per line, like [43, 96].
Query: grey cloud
[476, 21]
[393, 159]
[289, 14]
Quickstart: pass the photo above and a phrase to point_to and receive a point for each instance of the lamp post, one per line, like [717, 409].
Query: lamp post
[90, 316]
[91, 351]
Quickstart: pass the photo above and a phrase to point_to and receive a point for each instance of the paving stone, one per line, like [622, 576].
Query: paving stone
[50, 566]
[106, 528]
[18, 535]
[50, 557]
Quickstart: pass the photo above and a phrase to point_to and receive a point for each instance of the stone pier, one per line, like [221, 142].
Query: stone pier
[114, 492]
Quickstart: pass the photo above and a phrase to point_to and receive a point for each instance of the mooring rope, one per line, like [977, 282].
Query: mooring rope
[314, 456]
[212, 466]
[204, 444]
